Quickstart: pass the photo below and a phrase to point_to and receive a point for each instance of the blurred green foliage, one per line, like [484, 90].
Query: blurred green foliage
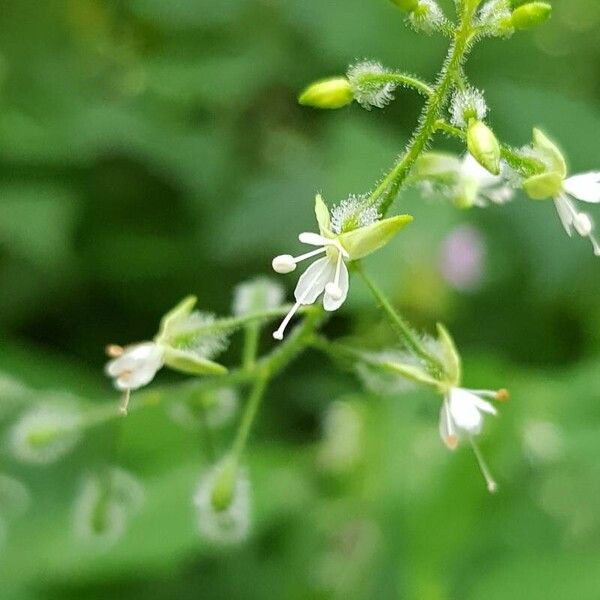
[152, 149]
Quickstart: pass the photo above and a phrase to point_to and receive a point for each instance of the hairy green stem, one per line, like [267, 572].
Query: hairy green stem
[402, 328]
[401, 79]
[431, 112]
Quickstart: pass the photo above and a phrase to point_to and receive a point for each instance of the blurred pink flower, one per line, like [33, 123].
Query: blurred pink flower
[462, 258]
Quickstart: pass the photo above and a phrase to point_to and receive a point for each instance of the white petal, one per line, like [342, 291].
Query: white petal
[313, 239]
[312, 282]
[564, 214]
[485, 406]
[330, 303]
[472, 169]
[447, 430]
[584, 187]
[136, 357]
[464, 411]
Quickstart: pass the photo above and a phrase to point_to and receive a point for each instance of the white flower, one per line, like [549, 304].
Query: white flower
[134, 367]
[258, 294]
[327, 275]
[462, 414]
[478, 187]
[584, 187]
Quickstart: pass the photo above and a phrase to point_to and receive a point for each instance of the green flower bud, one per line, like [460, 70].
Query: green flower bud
[531, 15]
[365, 240]
[328, 93]
[224, 487]
[408, 5]
[484, 146]
[544, 186]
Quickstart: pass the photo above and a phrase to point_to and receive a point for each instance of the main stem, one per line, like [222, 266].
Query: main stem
[431, 113]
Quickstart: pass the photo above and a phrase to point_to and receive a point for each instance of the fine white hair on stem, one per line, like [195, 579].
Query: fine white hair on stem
[466, 104]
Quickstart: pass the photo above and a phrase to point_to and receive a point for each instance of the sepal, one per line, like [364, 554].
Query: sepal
[190, 363]
[365, 240]
[175, 316]
[544, 186]
[450, 356]
[550, 153]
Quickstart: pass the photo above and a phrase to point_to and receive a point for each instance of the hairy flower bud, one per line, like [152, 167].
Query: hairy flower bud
[327, 93]
[484, 146]
[531, 15]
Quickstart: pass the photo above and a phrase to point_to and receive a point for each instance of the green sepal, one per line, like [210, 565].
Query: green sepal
[323, 218]
[450, 356]
[550, 152]
[408, 5]
[363, 241]
[412, 373]
[191, 364]
[179, 312]
[544, 186]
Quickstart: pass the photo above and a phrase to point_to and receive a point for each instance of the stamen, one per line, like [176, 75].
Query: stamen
[310, 254]
[125, 402]
[502, 395]
[452, 439]
[333, 288]
[278, 335]
[492, 486]
[114, 350]
[284, 263]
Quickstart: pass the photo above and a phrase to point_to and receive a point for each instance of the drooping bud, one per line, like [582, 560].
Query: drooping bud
[407, 5]
[484, 146]
[45, 433]
[223, 504]
[335, 92]
[531, 15]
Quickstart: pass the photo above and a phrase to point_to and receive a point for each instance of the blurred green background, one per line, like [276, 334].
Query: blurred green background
[151, 149]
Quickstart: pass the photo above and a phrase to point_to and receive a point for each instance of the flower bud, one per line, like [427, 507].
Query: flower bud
[484, 146]
[223, 504]
[406, 4]
[328, 93]
[531, 15]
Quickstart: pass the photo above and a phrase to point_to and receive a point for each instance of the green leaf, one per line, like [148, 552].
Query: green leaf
[366, 240]
[191, 364]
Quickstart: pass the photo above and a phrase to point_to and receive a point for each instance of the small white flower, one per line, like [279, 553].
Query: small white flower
[584, 187]
[256, 295]
[230, 525]
[327, 275]
[467, 104]
[45, 433]
[134, 367]
[367, 90]
[478, 187]
[462, 414]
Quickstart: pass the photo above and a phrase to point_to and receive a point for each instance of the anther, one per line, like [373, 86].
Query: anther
[284, 263]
